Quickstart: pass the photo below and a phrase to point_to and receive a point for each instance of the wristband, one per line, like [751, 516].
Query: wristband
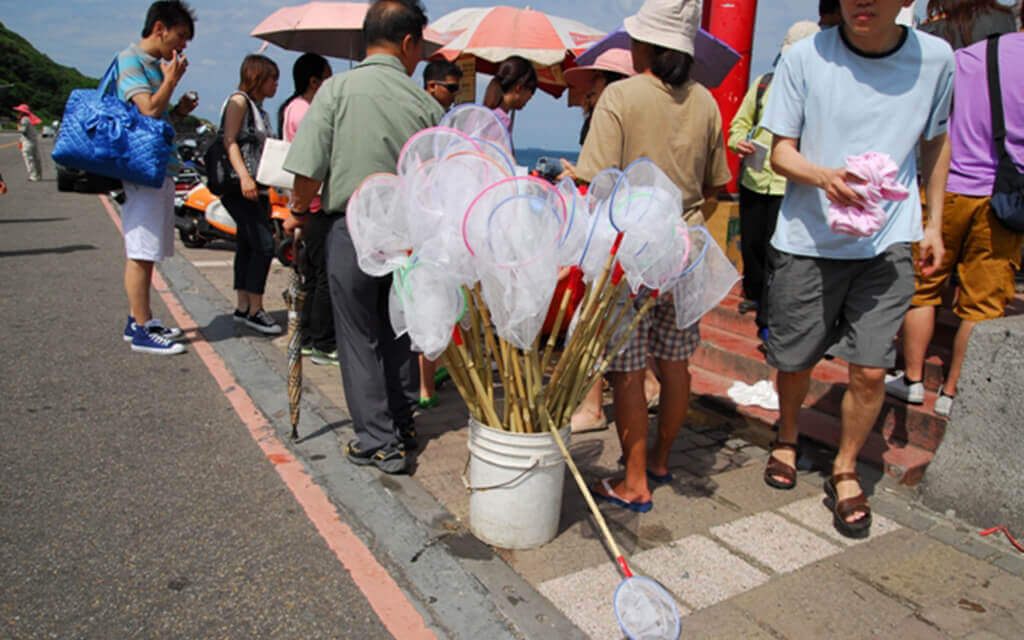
[298, 214]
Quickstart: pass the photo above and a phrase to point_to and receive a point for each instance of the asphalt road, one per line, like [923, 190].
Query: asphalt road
[133, 501]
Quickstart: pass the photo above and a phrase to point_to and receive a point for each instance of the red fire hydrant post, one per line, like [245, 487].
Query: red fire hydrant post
[732, 21]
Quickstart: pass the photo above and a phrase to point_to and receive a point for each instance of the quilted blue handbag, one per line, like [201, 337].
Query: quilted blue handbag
[102, 134]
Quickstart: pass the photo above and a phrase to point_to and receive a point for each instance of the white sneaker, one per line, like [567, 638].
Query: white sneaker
[896, 385]
[943, 404]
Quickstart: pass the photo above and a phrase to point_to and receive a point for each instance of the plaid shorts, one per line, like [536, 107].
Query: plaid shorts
[657, 336]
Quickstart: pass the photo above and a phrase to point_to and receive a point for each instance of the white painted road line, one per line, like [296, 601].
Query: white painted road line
[586, 598]
[699, 570]
[774, 541]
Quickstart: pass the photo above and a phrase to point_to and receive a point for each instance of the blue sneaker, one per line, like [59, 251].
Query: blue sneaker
[145, 340]
[171, 333]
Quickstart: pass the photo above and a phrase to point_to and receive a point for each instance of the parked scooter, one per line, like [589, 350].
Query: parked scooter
[202, 218]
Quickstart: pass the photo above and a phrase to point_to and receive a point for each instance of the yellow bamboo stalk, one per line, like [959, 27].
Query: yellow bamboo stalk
[461, 378]
[584, 489]
[553, 336]
[474, 377]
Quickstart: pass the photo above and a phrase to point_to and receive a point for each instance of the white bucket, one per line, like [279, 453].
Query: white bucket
[515, 484]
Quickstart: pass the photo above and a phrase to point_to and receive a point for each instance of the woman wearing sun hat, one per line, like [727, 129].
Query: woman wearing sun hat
[586, 84]
[661, 114]
[27, 123]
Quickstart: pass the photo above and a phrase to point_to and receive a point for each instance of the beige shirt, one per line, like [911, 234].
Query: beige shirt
[679, 129]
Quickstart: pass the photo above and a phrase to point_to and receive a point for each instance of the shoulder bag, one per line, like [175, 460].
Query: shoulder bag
[1008, 191]
[221, 177]
[102, 134]
[271, 170]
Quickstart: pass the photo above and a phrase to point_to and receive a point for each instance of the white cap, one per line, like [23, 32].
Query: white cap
[798, 32]
[671, 24]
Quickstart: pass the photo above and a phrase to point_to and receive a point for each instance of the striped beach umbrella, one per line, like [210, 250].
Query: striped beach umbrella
[494, 33]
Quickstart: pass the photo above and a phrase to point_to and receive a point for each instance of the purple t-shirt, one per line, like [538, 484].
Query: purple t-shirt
[972, 171]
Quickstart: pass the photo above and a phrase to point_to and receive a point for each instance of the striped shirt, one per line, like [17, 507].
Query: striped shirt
[138, 73]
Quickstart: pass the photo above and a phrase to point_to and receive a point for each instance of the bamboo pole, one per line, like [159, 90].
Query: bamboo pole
[585, 490]
[491, 415]
[456, 368]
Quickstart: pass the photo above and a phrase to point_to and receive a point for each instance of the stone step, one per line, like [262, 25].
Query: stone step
[726, 316]
[904, 462]
[738, 358]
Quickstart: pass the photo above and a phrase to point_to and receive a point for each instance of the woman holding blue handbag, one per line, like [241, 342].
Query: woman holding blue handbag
[245, 127]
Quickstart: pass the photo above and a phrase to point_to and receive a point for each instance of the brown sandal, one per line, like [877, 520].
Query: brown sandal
[843, 509]
[776, 467]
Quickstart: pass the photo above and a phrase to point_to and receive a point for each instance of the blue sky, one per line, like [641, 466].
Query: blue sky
[87, 33]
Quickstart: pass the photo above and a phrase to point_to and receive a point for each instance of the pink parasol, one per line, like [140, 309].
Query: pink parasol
[329, 28]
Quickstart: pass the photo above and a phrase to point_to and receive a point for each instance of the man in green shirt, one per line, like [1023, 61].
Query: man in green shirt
[356, 126]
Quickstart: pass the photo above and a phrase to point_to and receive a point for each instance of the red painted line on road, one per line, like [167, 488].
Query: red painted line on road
[388, 601]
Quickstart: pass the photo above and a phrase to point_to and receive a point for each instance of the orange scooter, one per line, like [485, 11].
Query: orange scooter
[201, 217]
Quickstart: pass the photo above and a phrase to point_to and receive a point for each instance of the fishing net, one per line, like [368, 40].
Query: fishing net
[574, 233]
[646, 611]
[707, 278]
[479, 122]
[437, 197]
[377, 223]
[601, 234]
[513, 228]
[514, 222]
[435, 143]
[426, 302]
[646, 207]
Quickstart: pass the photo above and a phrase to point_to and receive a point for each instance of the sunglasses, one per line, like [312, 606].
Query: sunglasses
[452, 87]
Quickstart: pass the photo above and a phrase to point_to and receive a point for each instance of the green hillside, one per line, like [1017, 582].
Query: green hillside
[26, 75]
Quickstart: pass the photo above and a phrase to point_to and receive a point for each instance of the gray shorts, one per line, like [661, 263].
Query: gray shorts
[851, 309]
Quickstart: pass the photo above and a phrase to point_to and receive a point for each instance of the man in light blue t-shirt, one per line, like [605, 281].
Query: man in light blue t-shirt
[870, 85]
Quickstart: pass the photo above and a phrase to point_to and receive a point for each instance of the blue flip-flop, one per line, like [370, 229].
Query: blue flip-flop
[653, 477]
[612, 497]
[662, 479]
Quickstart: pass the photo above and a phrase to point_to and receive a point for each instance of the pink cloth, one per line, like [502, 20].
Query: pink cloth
[293, 115]
[879, 174]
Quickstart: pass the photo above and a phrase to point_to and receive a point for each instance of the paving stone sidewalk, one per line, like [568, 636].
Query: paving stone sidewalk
[742, 560]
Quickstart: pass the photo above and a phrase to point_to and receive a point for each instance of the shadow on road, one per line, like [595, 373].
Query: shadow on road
[23, 220]
[70, 248]
[327, 428]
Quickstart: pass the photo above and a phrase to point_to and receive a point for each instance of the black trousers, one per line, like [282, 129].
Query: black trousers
[758, 214]
[254, 243]
[379, 371]
[317, 319]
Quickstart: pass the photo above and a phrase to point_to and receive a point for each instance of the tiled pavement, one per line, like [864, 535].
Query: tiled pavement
[742, 560]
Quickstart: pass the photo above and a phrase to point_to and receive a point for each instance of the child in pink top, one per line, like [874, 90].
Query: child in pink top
[317, 321]
[309, 72]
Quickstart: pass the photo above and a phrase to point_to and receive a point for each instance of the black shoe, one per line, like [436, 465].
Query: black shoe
[263, 322]
[390, 458]
[241, 316]
[407, 435]
[746, 306]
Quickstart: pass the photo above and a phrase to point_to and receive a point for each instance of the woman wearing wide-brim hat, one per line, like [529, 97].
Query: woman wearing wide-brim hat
[661, 114]
[27, 123]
